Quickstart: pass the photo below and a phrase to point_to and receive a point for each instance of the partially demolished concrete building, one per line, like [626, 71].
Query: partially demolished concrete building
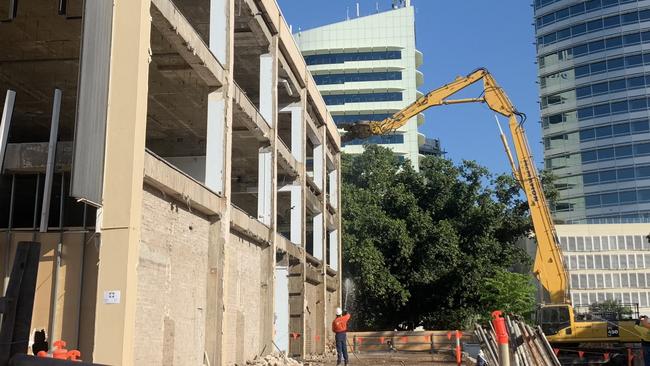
[182, 173]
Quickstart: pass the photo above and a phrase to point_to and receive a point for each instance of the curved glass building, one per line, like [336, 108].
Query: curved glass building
[593, 57]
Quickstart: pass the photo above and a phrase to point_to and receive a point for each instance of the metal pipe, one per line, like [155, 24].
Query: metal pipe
[57, 265]
[51, 157]
[7, 249]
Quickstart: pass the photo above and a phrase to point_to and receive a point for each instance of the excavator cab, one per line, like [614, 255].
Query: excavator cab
[554, 318]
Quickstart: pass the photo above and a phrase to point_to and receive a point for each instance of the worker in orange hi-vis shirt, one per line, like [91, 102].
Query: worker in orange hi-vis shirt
[340, 328]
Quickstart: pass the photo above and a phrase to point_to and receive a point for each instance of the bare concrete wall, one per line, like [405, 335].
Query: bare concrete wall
[172, 271]
[313, 319]
[245, 278]
[332, 302]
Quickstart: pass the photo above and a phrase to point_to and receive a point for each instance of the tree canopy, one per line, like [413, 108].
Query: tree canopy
[431, 248]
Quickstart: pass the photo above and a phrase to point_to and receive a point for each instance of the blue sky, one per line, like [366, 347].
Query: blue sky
[456, 37]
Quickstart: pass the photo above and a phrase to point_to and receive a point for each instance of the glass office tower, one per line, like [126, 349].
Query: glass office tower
[592, 58]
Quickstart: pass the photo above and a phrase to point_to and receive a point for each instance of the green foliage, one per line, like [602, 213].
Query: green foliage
[423, 247]
[512, 293]
[609, 308]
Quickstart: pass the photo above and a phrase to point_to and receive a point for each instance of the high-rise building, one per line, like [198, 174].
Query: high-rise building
[431, 147]
[592, 58]
[367, 69]
[604, 262]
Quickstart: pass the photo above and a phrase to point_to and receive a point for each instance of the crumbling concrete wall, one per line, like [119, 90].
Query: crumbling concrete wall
[313, 317]
[246, 281]
[332, 302]
[172, 275]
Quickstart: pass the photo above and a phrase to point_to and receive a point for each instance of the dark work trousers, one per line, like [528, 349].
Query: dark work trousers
[646, 353]
[341, 347]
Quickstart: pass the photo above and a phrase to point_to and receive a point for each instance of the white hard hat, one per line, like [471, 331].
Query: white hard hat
[339, 311]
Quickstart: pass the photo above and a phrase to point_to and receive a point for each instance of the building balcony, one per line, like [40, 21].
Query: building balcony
[419, 78]
[421, 119]
[419, 58]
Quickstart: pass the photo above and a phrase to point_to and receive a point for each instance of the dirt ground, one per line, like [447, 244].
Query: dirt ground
[389, 359]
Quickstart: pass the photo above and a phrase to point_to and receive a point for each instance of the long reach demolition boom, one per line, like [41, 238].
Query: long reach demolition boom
[548, 268]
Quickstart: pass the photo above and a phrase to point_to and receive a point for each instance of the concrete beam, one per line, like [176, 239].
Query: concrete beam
[169, 21]
[286, 246]
[175, 183]
[313, 276]
[312, 131]
[313, 204]
[122, 192]
[286, 160]
[248, 226]
[32, 157]
[254, 122]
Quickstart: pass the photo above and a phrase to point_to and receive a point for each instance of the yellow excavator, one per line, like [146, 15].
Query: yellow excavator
[559, 320]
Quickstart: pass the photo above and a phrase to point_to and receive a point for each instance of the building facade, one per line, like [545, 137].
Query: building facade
[431, 147]
[183, 180]
[592, 58]
[607, 262]
[367, 69]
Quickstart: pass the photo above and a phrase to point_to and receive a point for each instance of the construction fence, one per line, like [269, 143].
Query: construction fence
[412, 341]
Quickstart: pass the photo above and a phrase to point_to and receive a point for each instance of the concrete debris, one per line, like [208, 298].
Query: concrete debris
[327, 356]
[274, 359]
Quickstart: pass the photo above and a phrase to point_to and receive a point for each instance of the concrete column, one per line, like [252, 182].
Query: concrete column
[339, 242]
[215, 141]
[264, 185]
[298, 133]
[218, 173]
[318, 233]
[268, 86]
[319, 166]
[122, 192]
[269, 110]
[219, 29]
[297, 212]
[281, 314]
[334, 249]
[333, 182]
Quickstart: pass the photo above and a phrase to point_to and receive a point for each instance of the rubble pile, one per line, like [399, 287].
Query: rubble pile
[274, 359]
[329, 355]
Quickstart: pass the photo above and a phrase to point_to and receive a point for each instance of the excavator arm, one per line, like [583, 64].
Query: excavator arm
[548, 267]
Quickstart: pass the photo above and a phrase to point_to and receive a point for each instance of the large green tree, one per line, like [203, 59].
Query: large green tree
[422, 247]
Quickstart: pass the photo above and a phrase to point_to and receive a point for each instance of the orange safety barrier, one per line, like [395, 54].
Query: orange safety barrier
[412, 341]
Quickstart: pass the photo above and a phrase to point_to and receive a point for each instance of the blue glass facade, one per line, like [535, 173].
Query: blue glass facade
[595, 89]
[352, 118]
[339, 58]
[340, 99]
[396, 138]
[330, 79]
